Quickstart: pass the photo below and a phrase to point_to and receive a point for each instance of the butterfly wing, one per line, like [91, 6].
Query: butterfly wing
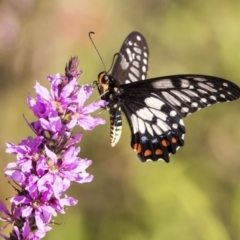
[155, 108]
[130, 66]
[132, 62]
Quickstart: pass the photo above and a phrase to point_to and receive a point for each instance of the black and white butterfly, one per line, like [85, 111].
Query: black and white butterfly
[155, 108]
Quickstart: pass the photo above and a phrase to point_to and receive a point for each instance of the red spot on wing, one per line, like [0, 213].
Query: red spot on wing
[137, 147]
[158, 152]
[165, 143]
[147, 153]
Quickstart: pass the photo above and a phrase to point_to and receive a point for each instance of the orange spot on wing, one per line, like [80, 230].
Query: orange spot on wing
[174, 140]
[147, 153]
[158, 152]
[165, 143]
[137, 147]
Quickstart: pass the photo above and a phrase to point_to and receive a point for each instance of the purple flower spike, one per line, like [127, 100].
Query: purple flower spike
[47, 164]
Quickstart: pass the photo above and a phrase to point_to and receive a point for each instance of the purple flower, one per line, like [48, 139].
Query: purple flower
[26, 152]
[52, 124]
[27, 234]
[10, 216]
[81, 114]
[69, 167]
[47, 164]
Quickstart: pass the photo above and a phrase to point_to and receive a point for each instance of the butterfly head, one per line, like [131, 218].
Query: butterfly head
[103, 82]
[108, 87]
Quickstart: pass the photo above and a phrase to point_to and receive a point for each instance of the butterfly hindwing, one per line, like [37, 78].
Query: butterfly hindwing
[157, 127]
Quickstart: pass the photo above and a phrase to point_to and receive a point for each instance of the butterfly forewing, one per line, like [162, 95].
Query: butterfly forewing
[132, 62]
[188, 93]
[131, 65]
[155, 108]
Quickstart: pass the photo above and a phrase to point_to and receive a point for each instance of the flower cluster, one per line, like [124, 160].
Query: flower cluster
[47, 164]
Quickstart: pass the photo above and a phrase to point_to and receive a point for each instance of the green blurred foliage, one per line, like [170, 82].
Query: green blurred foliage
[197, 195]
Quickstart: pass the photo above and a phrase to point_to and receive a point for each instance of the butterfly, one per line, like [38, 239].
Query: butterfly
[155, 107]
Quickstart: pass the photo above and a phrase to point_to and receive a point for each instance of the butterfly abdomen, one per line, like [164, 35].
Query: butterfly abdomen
[116, 124]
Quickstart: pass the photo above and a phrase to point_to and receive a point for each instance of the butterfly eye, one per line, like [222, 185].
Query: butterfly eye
[105, 79]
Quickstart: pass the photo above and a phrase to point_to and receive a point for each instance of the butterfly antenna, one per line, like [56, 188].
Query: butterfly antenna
[113, 61]
[89, 34]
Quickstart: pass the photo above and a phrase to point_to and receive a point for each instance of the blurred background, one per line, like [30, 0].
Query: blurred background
[195, 196]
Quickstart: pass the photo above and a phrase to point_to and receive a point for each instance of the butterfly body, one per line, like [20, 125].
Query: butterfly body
[155, 108]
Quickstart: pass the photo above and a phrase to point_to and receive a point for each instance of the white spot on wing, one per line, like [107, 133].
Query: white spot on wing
[210, 84]
[134, 123]
[145, 114]
[185, 110]
[159, 114]
[173, 113]
[181, 122]
[205, 86]
[165, 83]
[128, 51]
[182, 96]
[194, 104]
[135, 71]
[175, 126]
[137, 50]
[149, 128]
[171, 99]
[200, 79]
[202, 91]
[163, 125]
[157, 130]
[203, 100]
[190, 93]
[136, 64]
[153, 102]
[124, 63]
[138, 38]
[141, 125]
[132, 77]
[130, 54]
[144, 69]
[184, 83]
[213, 98]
